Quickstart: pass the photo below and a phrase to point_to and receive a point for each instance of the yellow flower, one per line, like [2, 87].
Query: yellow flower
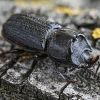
[96, 33]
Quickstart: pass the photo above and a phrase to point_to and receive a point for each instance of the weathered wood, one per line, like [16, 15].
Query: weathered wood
[42, 83]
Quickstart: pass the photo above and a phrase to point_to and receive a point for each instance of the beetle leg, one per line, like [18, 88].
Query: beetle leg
[12, 47]
[26, 75]
[16, 51]
[8, 65]
[58, 71]
[35, 57]
[13, 51]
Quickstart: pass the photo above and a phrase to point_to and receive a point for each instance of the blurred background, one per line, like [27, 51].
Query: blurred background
[8, 7]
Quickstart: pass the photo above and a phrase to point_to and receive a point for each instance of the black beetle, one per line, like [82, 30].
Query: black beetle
[35, 35]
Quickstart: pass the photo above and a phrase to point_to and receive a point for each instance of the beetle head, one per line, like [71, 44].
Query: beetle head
[80, 51]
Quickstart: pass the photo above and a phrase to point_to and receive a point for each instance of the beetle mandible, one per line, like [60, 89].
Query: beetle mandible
[35, 35]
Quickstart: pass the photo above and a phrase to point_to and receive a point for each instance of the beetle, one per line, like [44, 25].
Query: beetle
[38, 36]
